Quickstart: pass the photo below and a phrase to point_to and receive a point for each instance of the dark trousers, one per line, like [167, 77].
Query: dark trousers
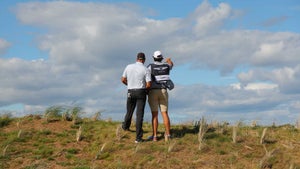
[136, 98]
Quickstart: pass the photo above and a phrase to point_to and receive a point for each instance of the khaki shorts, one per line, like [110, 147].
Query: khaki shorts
[158, 98]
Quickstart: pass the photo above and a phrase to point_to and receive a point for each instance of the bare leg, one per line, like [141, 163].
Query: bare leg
[154, 123]
[166, 122]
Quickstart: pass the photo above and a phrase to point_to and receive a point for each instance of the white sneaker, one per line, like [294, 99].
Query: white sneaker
[138, 141]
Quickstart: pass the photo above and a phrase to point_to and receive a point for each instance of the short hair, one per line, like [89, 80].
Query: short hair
[140, 56]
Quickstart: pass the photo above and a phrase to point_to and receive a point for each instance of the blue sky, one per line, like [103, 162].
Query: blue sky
[234, 60]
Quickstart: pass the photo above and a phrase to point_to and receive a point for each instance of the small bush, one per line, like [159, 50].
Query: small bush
[73, 151]
[43, 152]
[54, 113]
[4, 120]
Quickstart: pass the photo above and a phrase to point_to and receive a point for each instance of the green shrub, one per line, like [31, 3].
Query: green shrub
[4, 120]
[43, 152]
[73, 151]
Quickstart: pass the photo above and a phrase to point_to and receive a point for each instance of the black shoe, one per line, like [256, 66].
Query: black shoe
[125, 129]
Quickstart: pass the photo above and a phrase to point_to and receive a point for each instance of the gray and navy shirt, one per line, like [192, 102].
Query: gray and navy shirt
[160, 74]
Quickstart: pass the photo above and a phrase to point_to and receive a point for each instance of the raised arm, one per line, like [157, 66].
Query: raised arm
[169, 61]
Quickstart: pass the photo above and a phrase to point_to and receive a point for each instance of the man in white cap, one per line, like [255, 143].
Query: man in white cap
[158, 94]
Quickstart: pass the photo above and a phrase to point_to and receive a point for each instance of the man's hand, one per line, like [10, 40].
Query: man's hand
[124, 80]
[148, 85]
[169, 61]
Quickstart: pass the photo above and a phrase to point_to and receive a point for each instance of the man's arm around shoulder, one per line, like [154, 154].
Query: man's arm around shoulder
[148, 85]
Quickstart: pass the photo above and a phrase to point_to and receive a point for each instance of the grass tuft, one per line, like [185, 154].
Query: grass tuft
[202, 130]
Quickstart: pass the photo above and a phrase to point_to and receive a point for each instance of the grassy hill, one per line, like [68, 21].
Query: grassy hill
[34, 142]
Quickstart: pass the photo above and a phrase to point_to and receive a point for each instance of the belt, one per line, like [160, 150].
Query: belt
[136, 89]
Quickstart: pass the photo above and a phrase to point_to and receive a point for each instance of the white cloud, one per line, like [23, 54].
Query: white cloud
[89, 48]
[274, 21]
[96, 34]
[260, 86]
[230, 104]
[209, 19]
[286, 78]
[4, 45]
[277, 49]
[255, 86]
[267, 50]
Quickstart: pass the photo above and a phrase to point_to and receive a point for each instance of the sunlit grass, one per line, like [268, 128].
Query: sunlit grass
[104, 145]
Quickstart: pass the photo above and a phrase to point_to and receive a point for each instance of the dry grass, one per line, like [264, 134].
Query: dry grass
[53, 144]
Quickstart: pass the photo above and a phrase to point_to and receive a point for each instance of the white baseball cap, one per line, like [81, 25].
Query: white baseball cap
[157, 54]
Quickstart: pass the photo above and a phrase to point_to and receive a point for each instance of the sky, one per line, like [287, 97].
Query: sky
[234, 61]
